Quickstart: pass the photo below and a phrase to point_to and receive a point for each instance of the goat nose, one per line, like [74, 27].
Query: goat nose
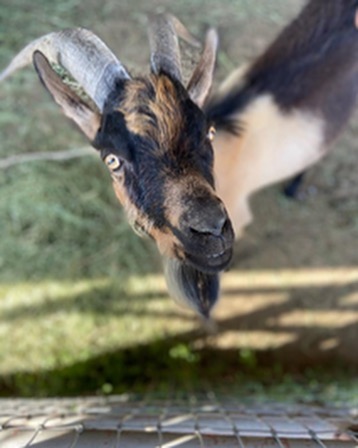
[211, 223]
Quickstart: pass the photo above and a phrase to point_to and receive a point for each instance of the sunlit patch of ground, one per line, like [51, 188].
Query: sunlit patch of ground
[48, 324]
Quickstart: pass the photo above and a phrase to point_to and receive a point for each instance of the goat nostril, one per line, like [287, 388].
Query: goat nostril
[212, 227]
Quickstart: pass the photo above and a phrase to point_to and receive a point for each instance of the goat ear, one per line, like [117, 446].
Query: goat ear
[202, 78]
[72, 105]
[190, 287]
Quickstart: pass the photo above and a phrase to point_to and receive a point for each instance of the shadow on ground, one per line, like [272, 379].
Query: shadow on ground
[269, 324]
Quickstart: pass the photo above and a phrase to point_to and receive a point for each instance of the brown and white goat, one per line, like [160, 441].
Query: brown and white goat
[281, 114]
[273, 119]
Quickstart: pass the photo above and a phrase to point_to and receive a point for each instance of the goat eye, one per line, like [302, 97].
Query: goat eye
[113, 162]
[211, 133]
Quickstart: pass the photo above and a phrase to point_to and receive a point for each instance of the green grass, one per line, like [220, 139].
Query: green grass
[62, 221]
[111, 336]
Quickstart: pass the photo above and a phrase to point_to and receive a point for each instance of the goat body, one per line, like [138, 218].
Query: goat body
[279, 115]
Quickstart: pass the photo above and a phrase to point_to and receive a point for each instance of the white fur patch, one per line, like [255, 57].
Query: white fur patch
[273, 146]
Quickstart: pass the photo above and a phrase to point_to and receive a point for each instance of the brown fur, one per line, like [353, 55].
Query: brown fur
[160, 118]
[174, 206]
[176, 193]
[122, 196]
[168, 244]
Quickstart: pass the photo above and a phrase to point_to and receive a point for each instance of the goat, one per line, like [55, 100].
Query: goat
[273, 119]
[152, 134]
[281, 114]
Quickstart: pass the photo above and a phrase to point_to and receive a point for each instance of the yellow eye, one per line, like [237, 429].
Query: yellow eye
[112, 162]
[211, 133]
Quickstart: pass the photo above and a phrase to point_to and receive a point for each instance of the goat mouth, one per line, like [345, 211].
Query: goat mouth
[210, 263]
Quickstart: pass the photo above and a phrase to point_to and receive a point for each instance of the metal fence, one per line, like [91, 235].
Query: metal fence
[185, 421]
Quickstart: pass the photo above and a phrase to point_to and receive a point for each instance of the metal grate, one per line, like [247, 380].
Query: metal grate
[185, 421]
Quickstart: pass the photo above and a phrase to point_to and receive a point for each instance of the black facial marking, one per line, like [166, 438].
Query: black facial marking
[113, 136]
[193, 150]
[145, 182]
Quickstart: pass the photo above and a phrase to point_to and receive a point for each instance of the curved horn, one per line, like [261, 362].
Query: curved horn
[201, 80]
[163, 32]
[91, 63]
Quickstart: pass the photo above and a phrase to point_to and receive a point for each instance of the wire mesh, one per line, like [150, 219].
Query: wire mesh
[186, 421]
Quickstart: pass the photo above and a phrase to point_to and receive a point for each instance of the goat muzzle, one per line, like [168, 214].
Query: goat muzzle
[207, 236]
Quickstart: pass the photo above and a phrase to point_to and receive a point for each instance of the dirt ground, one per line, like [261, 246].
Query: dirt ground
[292, 291]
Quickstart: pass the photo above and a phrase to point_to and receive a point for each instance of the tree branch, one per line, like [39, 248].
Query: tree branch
[58, 156]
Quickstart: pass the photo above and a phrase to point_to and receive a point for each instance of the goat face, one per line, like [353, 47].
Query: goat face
[157, 145]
